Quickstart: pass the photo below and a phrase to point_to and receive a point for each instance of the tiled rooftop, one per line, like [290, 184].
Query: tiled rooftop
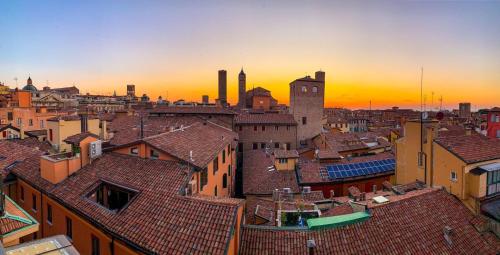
[410, 226]
[192, 110]
[205, 140]
[76, 139]
[257, 179]
[280, 153]
[266, 118]
[12, 152]
[471, 148]
[127, 129]
[158, 219]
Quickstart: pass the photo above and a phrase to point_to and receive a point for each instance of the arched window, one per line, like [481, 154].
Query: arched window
[224, 181]
[315, 89]
[304, 89]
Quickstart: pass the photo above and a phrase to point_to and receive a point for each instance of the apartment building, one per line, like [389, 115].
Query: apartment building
[466, 164]
[124, 204]
[62, 127]
[266, 130]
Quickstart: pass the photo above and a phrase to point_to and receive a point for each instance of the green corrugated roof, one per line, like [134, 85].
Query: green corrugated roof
[337, 221]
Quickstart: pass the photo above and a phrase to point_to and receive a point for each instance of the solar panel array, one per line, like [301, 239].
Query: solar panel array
[360, 169]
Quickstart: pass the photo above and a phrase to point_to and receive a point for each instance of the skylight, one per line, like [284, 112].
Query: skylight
[111, 196]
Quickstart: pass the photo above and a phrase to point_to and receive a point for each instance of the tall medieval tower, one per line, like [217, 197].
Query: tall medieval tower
[242, 86]
[307, 98]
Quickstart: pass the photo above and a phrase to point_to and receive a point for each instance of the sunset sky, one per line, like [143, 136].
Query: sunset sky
[370, 50]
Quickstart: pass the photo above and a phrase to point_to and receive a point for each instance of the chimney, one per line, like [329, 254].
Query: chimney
[311, 244]
[319, 76]
[332, 194]
[447, 232]
[374, 188]
[21, 131]
[142, 128]
[83, 123]
[468, 131]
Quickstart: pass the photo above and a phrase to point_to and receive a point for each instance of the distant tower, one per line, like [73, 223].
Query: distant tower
[204, 99]
[223, 87]
[131, 90]
[464, 110]
[307, 97]
[242, 86]
[29, 82]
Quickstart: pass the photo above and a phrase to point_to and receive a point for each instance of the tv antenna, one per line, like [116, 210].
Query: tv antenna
[15, 79]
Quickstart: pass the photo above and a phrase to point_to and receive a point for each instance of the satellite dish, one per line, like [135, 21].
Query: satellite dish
[425, 115]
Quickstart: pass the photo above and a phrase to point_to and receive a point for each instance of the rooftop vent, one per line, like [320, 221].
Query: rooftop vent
[447, 232]
[306, 189]
[311, 244]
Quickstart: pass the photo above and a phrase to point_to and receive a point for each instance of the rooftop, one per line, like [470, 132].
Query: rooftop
[259, 179]
[192, 110]
[471, 148]
[158, 219]
[76, 139]
[11, 153]
[205, 140]
[405, 226]
[266, 118]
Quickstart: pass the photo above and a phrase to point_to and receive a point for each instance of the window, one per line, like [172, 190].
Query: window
[203, 178]
[42, 124]
[304, 120]
[255, 146]
[276, 145]
[229, 149]
[498, 133]
[223, 156]
[154, 154]
[498, 118]
[95, 245]
[283, 160]
[111, 196]
[229, 170]
[33, 202]
[304, 89]
[315, 89]
[276, 128]
[224, 181]
[216, 164]
[241, 128]
[69, 228]
[49, 214]
[30, 122]
[50, 134]
[19, 121]
[453, 176]
[288, 146]
[10, 116]
[263, 128]
[134, 151]
[262, 145]
[254, 128]
[22, 193]
[493, 182]
[215, 191]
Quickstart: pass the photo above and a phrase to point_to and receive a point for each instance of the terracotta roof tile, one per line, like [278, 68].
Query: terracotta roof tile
[471, 148]
[205, 140]
[192, 110]
[158, 219]
[266, 118]
[257, 179]
[76, 139]
[411, 226]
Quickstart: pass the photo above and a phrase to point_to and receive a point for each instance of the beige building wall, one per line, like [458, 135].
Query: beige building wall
[61, 129]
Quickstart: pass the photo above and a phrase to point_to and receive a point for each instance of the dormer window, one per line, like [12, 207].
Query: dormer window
[112, 196]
